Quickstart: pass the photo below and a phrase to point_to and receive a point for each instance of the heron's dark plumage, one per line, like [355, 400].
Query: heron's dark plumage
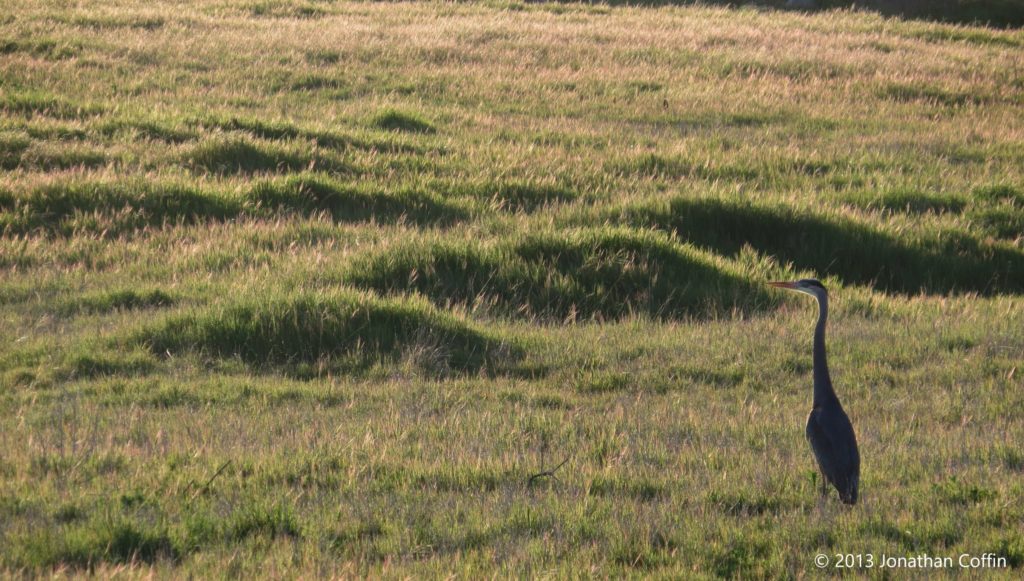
[835, 447]
[828, 427]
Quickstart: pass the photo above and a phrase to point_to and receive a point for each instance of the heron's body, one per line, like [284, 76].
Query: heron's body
[835, 447]
[829, 430]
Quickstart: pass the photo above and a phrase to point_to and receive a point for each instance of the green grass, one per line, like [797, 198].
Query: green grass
[398, 121]
[937, 261]
[319, 328]
[586, 274]
[282, 294]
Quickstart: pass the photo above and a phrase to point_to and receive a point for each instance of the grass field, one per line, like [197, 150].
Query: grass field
[311, 288]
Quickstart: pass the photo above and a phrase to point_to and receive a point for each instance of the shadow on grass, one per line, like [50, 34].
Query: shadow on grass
[121, 541]
[145, 129]
[392, 120]
[349, 203]
[590, 274]
[908, 201]
[940, 262]
[113, 207]
[29, 104]
[997, 13]
[516, 196]
[338, 330]
[117, 300]
[236, 155]
[281, 130]
[120, 207]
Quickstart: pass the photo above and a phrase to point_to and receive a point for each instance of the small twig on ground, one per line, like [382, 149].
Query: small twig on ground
[206, 486]
[548, 473]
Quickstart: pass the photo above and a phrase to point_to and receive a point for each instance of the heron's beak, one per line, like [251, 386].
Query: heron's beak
[783, 284]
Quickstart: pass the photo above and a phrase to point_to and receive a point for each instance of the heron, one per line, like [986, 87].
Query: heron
[829, 430]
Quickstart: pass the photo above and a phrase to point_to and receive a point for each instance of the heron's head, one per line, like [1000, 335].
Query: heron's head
[809, 286]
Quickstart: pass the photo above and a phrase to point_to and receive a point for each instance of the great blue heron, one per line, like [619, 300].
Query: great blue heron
[828, 428]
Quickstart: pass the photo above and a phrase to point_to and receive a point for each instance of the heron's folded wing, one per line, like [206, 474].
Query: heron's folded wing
[832, 453]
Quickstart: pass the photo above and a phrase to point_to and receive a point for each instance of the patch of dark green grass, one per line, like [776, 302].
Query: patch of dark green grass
[317, 82]
[267, 520]
[853, 251]
[125, 299]
[1006, 221]
[653, 165]
[721, 377]
[937, 96]
[999, 193]
[754, 119]
[171, 397]
[12, 147]
[38, 103]
[145, 129]
[322, 57]
[236, 155]
[128, 204]
[550, 402]
[393, 120]
[880, 527]
[795, 69]
[1011, 547]
[971, 36]
[309, 472]
[1011, 457]
[116, 541]
[643, 86]
[137, 22]
[310, 194]
[599, 273]
[907, 201]
[657, 166]
[44, 48]
[957, 343]
[55, 131]
[19, 378]
[286, 9]
[914, 536]
[641, 554]
[515, 195]
[263, 129]
[118, 207]
[360, 532]
[343, 328]
[14, 156]
[544, 402]
[954, 491]
[1001, 12]
[641, 489]
[463, 479]
[98, 364]
[597, 382]
[742, 505]
[741, 558]
[69, 513]
[281, 130]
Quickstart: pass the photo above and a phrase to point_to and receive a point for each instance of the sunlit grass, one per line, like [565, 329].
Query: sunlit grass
[308, 288]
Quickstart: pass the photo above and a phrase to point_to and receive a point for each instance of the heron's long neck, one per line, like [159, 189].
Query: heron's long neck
[823, 392]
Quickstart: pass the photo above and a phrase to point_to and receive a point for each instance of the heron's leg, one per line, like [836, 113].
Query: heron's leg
[824, 485]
